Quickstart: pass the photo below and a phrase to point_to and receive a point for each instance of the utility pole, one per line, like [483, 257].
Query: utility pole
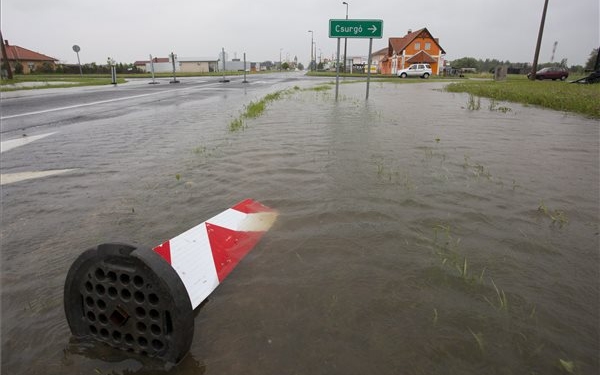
[5, 58]
[539, 43]
[244, 81]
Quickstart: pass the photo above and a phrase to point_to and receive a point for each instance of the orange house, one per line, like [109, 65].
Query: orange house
[415, 47]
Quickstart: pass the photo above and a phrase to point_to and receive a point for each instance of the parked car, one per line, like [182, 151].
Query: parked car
[416, 70]
[553, 73]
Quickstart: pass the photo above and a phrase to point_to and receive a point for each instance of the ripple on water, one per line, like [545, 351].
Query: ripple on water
[409, 238]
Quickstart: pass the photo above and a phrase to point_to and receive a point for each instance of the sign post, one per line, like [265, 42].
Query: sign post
[113, 70]
[337, 70]
[152, 70]
[369, 66]
[76, 49]
[355, 28]
[173, 58]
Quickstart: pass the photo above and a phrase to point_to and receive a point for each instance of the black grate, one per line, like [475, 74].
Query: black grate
[130, 299]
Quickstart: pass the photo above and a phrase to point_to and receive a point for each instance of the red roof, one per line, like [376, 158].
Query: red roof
[382, 51]
[400, 44]
[421, 57]
[16, 53]
[155, 59]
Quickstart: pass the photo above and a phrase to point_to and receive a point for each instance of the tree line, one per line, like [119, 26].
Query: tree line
[488, 65]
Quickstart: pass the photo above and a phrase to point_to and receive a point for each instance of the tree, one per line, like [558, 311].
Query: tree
[285, 66]
[563, 63]
[300, 66]
[18, 68]
[591, 62]
[466, 62]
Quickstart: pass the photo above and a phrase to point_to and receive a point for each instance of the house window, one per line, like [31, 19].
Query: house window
[417, 46]
[427, 46]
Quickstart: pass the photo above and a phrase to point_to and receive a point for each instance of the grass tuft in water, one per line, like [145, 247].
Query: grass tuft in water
[567, 366]
[236, 124]
[320, 88]
[557, 216]
[472, 104]
[502, 299]
[478, 338]
[255, 109]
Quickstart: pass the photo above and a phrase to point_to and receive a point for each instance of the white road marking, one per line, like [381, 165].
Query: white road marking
[10, 178]
[14, 143]
[96, 103]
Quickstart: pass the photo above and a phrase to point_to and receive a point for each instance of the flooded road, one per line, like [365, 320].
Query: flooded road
[415, 236]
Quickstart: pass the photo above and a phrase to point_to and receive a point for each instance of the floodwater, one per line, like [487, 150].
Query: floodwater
[415, 236]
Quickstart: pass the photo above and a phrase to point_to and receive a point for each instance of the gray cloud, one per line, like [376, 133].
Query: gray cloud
[130, 30]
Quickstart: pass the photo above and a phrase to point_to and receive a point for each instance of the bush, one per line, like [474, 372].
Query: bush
[47, 67]
[18, 68]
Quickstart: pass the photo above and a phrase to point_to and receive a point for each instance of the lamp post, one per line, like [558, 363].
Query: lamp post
[281, 49]
[345, 39]
[312, 34]
[315, 54]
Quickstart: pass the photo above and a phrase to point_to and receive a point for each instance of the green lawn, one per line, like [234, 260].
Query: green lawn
[54, 81]
[72, 80]
[561, 96]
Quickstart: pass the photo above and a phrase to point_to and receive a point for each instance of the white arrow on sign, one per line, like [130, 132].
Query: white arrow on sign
[372, 29]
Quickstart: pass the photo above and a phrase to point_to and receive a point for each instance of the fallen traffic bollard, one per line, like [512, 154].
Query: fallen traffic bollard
[142, 300]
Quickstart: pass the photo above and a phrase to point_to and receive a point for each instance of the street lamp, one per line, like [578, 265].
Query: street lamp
[345, 39]
[281, 49]
[312, 34]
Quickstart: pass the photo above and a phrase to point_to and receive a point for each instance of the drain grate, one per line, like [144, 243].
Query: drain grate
[130, 299]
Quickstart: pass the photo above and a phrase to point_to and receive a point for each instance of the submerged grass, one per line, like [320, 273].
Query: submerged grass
[557, 216]
[255, 109]
[561, 96]
[325, 87]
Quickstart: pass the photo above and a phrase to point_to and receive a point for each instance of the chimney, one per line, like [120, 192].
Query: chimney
[409, 31]
[6, 42]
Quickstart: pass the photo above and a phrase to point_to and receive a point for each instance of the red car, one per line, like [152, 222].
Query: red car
[553, 73]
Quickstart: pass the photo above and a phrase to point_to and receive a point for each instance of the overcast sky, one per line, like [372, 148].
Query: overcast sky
[129, 30]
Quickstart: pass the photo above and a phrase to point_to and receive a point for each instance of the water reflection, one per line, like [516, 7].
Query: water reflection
[414, 236]
[81, 354]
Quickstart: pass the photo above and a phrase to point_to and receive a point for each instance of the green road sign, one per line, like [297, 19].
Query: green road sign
[356, 29]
